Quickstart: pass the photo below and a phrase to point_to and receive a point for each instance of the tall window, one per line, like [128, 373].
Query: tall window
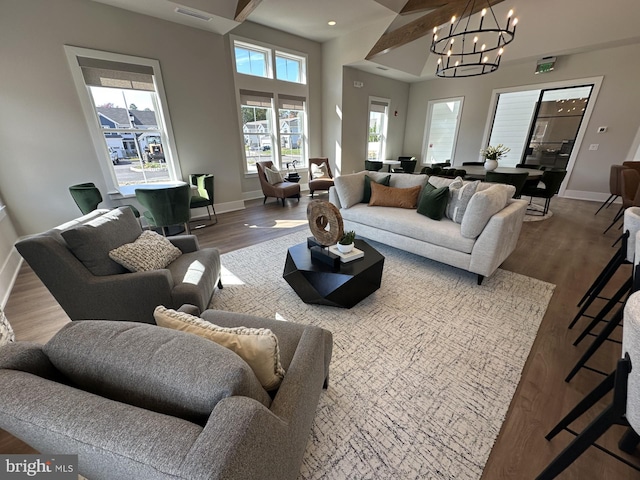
[441, 132]
[257, 131]
[291, 115]
[377, 128]
[122, 103]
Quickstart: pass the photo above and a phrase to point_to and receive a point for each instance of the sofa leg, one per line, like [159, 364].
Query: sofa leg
[480, 279]
[220, 284]
[325, 385]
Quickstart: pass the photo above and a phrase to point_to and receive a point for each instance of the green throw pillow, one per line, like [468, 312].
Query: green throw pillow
[367, 186]
[433, 201]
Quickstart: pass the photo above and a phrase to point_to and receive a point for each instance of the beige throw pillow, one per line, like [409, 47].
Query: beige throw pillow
[273, 176]
[150, 251]
[319, 171]
[256, 346]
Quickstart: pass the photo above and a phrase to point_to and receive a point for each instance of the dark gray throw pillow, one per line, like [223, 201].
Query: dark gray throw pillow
[433, 201]
[366, 197]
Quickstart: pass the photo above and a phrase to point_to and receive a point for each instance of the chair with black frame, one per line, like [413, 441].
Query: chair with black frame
[552, 179]
[373, 165]
[87, 197]
[166, 206]
[615, 186]
[408, 164]
[518, 180]
[204, 199]
[629, 188]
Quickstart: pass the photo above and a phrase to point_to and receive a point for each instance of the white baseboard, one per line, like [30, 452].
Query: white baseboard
[8, 275]
[253, 195]
[589, 196]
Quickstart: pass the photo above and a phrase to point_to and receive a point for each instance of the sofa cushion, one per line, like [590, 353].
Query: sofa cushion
[256, 346]
[150, 251]
[433, 201]
[459, 197]
[92, 241]
[273, 176]
[350, 188]
[482, 206]
[366, 195]
[154, 368]
[404, 180]
[383, 196]
[409, 223]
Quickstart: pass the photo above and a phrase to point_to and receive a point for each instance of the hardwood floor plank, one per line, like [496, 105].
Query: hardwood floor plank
[568, 250]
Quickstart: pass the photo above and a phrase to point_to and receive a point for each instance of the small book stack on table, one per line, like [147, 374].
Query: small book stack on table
[354, 254]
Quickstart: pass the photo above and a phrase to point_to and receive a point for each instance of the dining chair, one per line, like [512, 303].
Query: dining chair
[615, 186]
[518, 180]
[408, 165]
[629, 183]
[166, 206]
[87, 197]
[373, 165]
[552, 179]
[204, 199]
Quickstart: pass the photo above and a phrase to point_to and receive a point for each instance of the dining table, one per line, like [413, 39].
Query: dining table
[390, 163]
[478, 172]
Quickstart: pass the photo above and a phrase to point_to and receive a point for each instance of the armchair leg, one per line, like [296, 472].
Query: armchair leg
[220, 286]
[312, 192]
[264, 200]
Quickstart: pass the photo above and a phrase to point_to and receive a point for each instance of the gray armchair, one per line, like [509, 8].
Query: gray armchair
[72, 260]
[141, 401]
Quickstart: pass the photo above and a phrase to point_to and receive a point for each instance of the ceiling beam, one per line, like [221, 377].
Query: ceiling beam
[244, 9]
[424, 25]
[413, 6]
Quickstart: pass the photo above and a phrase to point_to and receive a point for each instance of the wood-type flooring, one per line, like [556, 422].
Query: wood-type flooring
[568, 250]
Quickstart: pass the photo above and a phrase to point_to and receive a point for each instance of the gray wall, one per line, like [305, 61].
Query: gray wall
[44, 137]
[618, 107]
[355, 115]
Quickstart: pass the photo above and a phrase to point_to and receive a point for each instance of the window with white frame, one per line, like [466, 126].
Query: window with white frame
[122, 98]
[441, 131]
[377, 128]
[290, 68]
[291, 116]
[252, 60]
[257, 131]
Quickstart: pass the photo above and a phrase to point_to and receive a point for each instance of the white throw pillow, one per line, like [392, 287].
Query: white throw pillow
[256, 346]
[319, 171]
[350, 188]
[6, 332]
[459, 197]
[273, 176]
[150, 251]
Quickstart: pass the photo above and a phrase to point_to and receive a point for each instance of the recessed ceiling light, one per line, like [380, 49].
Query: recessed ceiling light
[331, 22]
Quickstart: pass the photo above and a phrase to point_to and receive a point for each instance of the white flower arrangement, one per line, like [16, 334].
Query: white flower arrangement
[495, 153]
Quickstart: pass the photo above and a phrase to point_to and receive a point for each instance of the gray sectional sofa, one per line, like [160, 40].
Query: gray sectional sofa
[138, 401]
[485, 238]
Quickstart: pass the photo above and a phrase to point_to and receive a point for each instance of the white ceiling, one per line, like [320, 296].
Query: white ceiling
[546, 27]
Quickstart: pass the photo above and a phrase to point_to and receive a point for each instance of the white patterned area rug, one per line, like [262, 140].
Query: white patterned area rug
[423, 370]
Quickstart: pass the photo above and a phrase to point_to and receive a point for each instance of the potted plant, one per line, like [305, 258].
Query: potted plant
[492, 155]
[345, 245]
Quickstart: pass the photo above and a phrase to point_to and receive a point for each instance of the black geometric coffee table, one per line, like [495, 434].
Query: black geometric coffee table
[318, 283]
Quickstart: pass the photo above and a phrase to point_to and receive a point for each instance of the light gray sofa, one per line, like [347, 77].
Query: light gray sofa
[137, 401]
[440, 240]
[72, 260]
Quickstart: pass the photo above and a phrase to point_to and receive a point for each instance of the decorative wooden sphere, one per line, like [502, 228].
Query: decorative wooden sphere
[325, 222]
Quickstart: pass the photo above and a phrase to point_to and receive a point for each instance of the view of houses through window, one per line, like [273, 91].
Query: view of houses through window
[377, 128]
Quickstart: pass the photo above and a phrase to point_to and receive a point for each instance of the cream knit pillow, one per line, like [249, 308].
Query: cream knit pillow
[150, 251]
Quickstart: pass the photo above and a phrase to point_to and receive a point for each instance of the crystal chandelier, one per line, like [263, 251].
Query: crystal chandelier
[466, 51]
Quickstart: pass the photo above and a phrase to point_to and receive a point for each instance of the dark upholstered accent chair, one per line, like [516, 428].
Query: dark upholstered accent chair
[280, 190]
[518, 180]
[166, 206]
[204, 198]
[87, 196]
[72, 260]
[137, 401]
[373, 165]
[408, 165]
[552, 179]
[320, 183]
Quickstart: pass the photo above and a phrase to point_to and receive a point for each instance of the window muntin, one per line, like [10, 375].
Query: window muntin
[377, 129]
[290, 68]
[122, 98]
[291, 117]
[252, 60]
[441, 133]
[257, 131]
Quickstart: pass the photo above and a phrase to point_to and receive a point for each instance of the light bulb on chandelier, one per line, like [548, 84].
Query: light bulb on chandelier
[458, 53]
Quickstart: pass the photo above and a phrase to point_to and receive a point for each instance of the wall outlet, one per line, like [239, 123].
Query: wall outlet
[594, 146]
[602, 129]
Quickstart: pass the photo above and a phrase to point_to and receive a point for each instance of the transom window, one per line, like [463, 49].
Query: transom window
[256, 60]
[290, 68]
[252, 60]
